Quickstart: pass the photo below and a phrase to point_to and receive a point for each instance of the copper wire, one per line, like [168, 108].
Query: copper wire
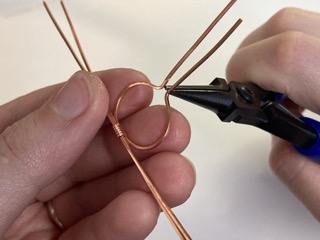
[205, 57]
[121, 133]
[183, 234]
[119, 130]
[197, 43]
[63, 36]
[75, 37]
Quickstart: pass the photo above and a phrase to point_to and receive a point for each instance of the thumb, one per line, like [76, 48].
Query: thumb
[37, 149]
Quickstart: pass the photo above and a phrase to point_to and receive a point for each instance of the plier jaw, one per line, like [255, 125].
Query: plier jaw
[247, 103]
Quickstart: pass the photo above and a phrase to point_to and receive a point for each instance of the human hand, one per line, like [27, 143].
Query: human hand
[283, 56]
[56, 146]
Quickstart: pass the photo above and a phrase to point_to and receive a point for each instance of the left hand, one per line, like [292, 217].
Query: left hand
[56, 146]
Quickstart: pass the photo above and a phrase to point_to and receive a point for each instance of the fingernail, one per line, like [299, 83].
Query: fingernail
[74, 96]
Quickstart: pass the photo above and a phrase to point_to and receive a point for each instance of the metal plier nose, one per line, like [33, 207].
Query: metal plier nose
[247, 103]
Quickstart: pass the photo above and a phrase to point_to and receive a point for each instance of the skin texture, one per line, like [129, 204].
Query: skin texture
[57, 145]
[283, 56]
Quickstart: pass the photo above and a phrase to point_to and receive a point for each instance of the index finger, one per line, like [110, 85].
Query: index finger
[287, 63]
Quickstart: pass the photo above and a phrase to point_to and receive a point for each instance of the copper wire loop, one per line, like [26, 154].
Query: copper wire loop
[53, 216]
[113, 117]
[164, 132]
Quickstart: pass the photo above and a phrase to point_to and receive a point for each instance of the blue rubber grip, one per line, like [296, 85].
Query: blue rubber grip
[314, 150]
[280, 96]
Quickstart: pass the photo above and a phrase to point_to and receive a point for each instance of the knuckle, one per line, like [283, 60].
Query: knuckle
[292, 53]
[286, 51]
[294, 57]
[8, 144]
[283, 20]
[18, 145]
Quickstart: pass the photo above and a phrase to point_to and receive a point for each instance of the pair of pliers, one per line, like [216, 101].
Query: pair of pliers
[247, 103]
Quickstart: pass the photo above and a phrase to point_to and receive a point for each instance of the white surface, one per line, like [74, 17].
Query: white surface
[236, 196]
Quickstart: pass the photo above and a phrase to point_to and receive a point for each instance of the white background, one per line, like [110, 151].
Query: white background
[236, 196]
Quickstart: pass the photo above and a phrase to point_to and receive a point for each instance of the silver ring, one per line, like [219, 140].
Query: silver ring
[53, 216]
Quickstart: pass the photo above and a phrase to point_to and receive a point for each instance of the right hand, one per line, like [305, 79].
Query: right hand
[283, 55]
